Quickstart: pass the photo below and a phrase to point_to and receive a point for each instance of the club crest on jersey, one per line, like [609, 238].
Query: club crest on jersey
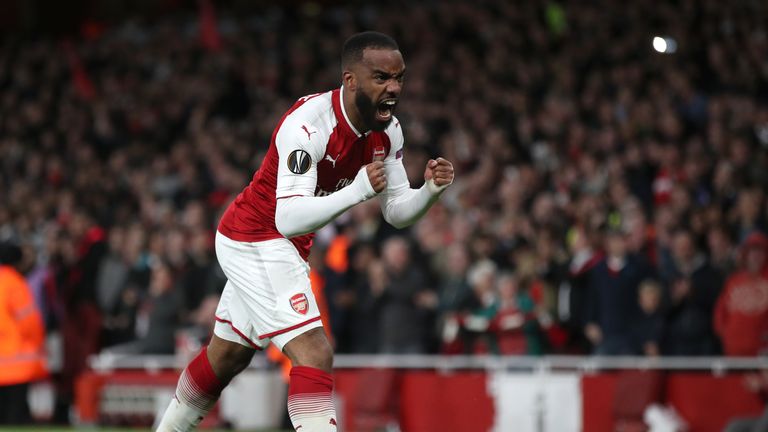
[379, 153]
[299, 162]
[300, 304]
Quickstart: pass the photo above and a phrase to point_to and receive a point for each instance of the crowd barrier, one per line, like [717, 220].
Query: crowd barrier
[424, 393]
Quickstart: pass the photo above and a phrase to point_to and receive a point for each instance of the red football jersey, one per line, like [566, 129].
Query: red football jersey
[314, 150]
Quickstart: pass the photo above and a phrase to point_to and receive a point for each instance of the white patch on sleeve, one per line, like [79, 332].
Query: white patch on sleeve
[300, 146]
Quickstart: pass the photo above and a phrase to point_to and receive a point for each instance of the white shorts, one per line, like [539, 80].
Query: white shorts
[268, 295]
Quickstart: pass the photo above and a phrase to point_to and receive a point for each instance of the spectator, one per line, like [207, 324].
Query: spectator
[516, 322]
[369, 290]
[406, 304]
[575, 288]
[111, 279]
[201, 282]
[721, 250]
[158, 316]
[612, 305]
[22, 347]
[119, 313]
[454, 292]
[746, 215]
[479, 310]
[741, 315]
[649, 327]
[454, 288]
[694, 287]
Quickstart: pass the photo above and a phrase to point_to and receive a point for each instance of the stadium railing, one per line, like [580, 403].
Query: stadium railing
[591, 392]
[105, 362]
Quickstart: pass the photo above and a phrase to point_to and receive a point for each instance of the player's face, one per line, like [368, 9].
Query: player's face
[379, 82]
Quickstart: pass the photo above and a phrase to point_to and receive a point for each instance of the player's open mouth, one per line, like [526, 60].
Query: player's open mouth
[385, 108]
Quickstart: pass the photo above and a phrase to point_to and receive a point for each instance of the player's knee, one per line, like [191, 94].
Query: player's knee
[237, 361]
[322, 356]
[311, 349]
[228, 359]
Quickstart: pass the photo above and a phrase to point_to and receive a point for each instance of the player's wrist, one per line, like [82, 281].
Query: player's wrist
[363, 184]
[433, 188]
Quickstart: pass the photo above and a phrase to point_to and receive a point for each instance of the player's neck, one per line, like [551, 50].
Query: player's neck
[350, 109]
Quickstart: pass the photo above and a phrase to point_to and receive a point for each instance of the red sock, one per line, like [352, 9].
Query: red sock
[198, 385]
[310, 402]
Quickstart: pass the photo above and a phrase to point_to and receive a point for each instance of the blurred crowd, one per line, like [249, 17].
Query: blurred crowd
[608, 199]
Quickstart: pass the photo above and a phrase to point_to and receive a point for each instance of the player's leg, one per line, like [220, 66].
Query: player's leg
[201, 383]
[311, 349]
[272, 300]
[228, 353]
[310, 401]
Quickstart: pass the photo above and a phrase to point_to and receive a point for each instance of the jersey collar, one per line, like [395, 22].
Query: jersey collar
[341, 114]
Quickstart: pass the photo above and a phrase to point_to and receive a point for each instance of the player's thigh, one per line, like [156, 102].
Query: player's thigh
[271, 294]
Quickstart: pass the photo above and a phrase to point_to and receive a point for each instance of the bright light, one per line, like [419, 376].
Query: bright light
[664, 44]
[671, 45]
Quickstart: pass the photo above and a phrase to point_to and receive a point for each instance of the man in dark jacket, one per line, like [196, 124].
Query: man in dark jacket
[693, 290]
[406, 304]
[612, 304]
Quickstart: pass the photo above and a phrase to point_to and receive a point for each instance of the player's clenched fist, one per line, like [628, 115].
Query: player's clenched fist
[376, 175]
[440, 171]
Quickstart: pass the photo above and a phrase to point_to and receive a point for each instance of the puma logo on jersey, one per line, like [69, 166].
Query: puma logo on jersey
[309, 134]
[332, 160]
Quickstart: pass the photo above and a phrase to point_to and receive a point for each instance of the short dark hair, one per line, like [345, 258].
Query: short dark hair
[356, 44]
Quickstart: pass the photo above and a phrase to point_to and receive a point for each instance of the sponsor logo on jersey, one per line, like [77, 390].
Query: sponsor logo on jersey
[341, 184]
[300, 304]
[299, 162]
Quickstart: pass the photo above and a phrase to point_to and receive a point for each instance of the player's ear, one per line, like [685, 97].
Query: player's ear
[349, 80]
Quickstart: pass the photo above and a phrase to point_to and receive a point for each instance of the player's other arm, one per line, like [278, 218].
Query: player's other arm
[298, 211]
[401, 205]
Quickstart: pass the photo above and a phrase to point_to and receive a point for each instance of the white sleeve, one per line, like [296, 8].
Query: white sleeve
[401, 205]
[298, 211]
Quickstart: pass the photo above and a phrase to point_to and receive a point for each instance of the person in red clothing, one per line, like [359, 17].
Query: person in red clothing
[741, 314]
[22, 339]
[517, 321]
[329, 152]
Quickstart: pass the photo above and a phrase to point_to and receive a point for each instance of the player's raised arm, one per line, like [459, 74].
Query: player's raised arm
[401, 205]
[298, 211]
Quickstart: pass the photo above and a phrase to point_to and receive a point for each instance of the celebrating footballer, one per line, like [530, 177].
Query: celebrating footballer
[329, 152]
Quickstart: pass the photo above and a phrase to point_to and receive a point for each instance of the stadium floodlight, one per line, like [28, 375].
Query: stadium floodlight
[664, 44]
